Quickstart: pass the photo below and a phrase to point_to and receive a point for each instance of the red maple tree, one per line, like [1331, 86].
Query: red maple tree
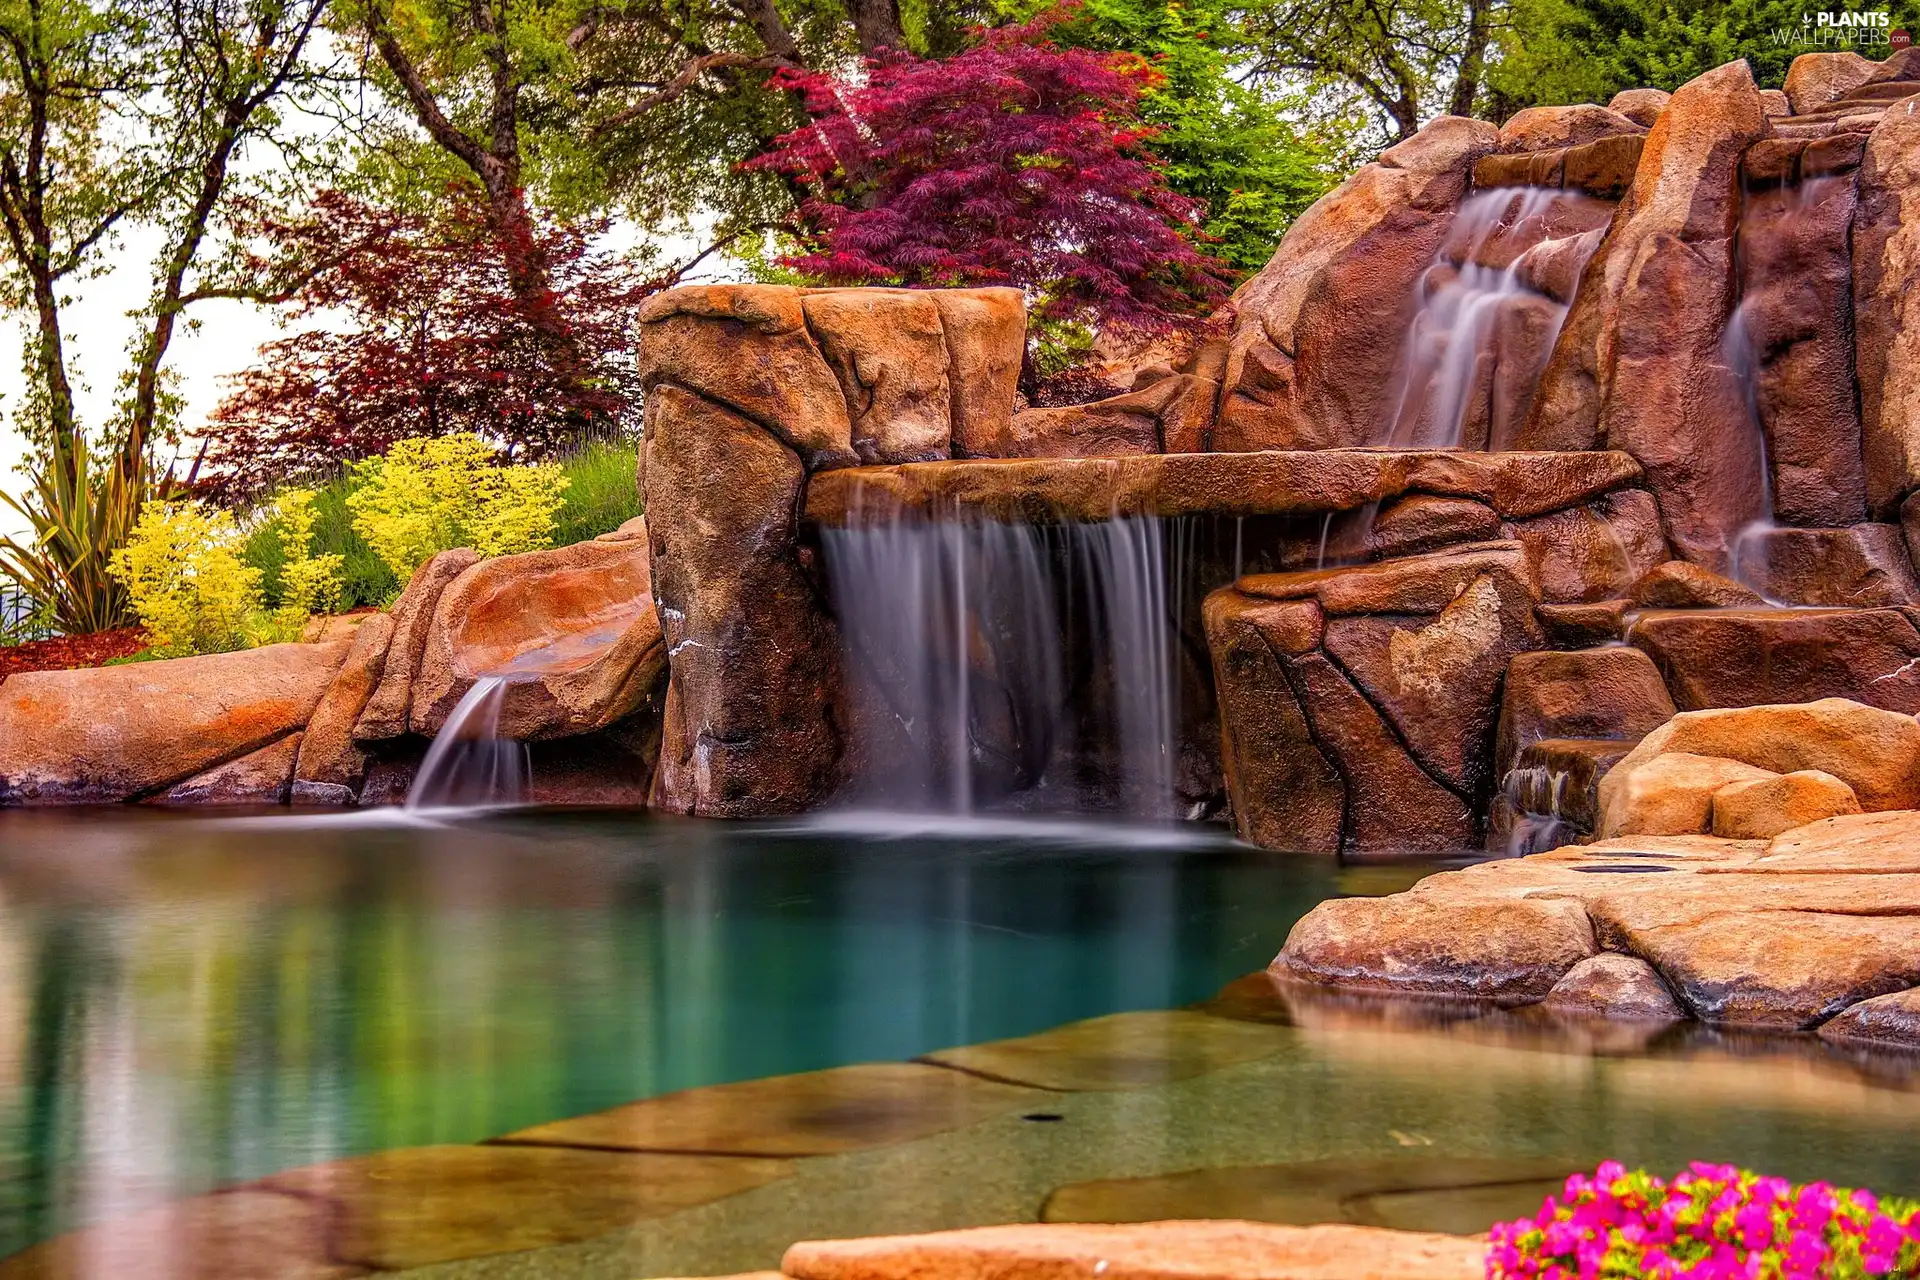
[1013, 162]
[411, 326]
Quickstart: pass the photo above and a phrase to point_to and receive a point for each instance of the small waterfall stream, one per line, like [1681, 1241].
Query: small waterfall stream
[1007, 666]
[469, 764]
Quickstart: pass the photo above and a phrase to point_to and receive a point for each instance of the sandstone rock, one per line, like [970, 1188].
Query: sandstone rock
[1890, 1020]
[1875, 752]
[1642, 106]
[754, 656]
[1422, 522]
[1667, 794]
[1859, 566]
[1679, 585]
[1639, 361]
[385, 715]
[1833, 156]
[1611, 985]
[1414, 584]
[1291, 380]
[1746, 657]
[1512, 951]
[1796, 297]
[328, 753]
[1594, 552]
[888, 352]
[1762, 810]
[1901, 67]
[260, 777]
[1604, 170]
[1816, 79]
[1776, 102]
[1579, 626]
[1614, 692]
[747, 347]
[1886, 260]
[1536, 128]
[99, 735]
[573, 630]
[1885, 843]
[1202, 1250]
[986, 337]
[1267, 749]
[1172, 411]
[634, 530]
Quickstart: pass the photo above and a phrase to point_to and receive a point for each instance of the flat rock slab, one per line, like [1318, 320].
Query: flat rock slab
[423, 1205]
[1456, 1195]
[1234, 484]
[811, 1114]
[1121, 1051]
[1783, 935]
[1148, 1251]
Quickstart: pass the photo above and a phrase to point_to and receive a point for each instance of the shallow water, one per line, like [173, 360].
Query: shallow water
[187, 1002]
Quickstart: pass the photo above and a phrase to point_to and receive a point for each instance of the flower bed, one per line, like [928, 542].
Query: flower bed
[1712, 1222]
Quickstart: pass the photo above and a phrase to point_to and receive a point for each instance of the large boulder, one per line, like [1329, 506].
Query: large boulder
[1860, 565]
[1669, 794]
[331, 764]
[1816, 79]
[1596, 551]
[385, 713]
[1875, 752]
[1537, 128]
[100, 735]
[1642, 106]
[1640, 360]
[1611, 692]
[572, 631]
[1886, 307]
[1316, 332]
[1746, 657]
[1761, 809]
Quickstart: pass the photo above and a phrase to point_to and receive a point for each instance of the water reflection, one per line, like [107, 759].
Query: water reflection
[185, 1004]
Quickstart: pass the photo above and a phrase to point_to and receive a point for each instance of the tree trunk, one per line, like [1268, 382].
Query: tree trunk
[1473, 60]
[876, 24]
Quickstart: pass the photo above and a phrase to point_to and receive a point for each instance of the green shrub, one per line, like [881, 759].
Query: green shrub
[602, 493]
[182, 571]
[428, 495]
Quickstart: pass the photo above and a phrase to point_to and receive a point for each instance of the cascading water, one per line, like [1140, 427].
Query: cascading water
[997, 665]
[469, 764]
[1479, 316]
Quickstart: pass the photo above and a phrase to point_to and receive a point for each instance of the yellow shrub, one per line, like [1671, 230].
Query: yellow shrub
[181, 567]
[309, 584]
[427, 495]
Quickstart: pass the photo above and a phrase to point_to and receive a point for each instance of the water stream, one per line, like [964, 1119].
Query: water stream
[469, 764]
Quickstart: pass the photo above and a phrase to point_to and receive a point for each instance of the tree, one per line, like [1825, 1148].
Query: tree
[110, 113]
[1015, 162]
[424, 333]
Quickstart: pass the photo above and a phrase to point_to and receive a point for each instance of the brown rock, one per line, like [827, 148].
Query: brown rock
[328, 753]
[1746, 657]
[99, 735]
[1291, 380]
[1437, 679]
[385, 715]
[1603, 169]
[1816, 79]
[1890, 1020]
[260, 777]
[1580, 626]
[1284, 791]
[1413, 584]
[887, 350]
[1422, 522]
[1901, 67]
[1875, 752]
[1886, 260]
[986, 336]
[1762, 810]
[1118, 426]
[1796, 296]
[747, 347]
[1833, 156]
[1859, 566]
[1679, 585]
[753, 654]
[1776, 102]
[1594, 552]
[1508, 950]
[1614, 692]
[1668, 794]
[1537, 128]
[573, 630]
[1204, 1250]
[1877, 843]
[1611, 985]
[1639, 361]
[1642, 106]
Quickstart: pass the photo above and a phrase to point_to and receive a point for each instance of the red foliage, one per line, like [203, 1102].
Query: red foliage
[412, 327]
[1014, 162]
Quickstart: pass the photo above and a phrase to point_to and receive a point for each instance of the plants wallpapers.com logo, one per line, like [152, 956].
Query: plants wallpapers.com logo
[1869, 29]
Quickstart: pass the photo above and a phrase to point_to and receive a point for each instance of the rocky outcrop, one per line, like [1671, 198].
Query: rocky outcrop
[1668, 794]
[1816, 79]
[1315, 333]
[1593, 552]
[1886, 314]
[331, 765]
[1858, 566]
[1171, 415]
[1762, 809]
[101, 735]
[385, 713]
[263, 777]
[1743, 657]
[1614, 692]
[1639, 360]
[1538, 128]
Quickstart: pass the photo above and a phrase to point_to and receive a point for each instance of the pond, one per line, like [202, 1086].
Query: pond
[187, 1004]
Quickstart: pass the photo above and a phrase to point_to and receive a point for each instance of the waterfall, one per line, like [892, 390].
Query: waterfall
[469, 764]
[1474, 321]
[993, 665]
[1536, 797]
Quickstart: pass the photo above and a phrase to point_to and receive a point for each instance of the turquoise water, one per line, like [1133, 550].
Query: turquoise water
[185, 1003]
